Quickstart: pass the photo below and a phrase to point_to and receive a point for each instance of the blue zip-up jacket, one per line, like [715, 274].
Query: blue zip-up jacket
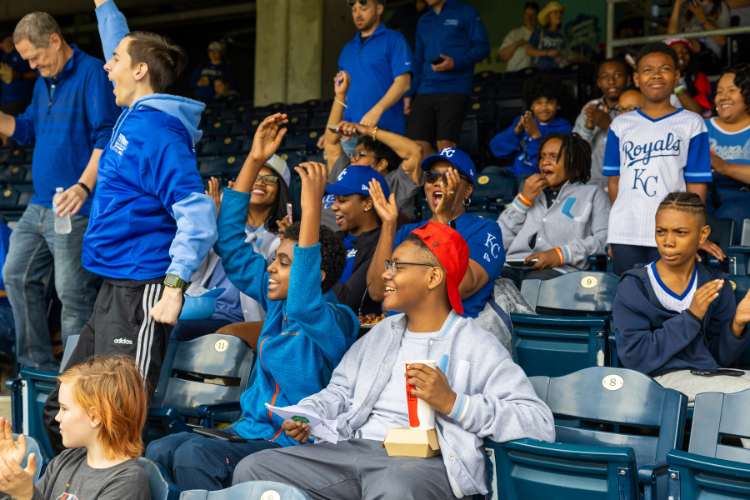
[68, 118]
[652, 340]
[150, 216]
[507, 144]
[299, 334]
[457, 32]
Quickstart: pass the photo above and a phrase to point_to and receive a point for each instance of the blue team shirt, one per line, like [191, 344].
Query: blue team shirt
[373, 65]
[485, 242]
[351, 254]
[732, 147]
[21, 89]
[457, 32]
[543, 39]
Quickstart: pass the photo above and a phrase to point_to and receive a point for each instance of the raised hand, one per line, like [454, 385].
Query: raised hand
[598, 117]
[283, 224]
[15, 480]
[387, 209]
[314, 178]
[8, 449]
[445, 208]
[704, 296]
[519, 128]
[531, 126]
[534, 185]
[213, 192]
[342, 80]
[268, 137]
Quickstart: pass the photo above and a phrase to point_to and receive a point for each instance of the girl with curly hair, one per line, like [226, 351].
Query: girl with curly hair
[729, 136]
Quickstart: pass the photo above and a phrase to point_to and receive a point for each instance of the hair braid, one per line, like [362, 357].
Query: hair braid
[576, 153]
[685, 202]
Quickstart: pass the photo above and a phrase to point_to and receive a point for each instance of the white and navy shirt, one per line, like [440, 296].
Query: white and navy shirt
[653, 158]
[668, 299]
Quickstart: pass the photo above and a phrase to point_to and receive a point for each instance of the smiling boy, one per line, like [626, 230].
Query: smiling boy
[651, 152]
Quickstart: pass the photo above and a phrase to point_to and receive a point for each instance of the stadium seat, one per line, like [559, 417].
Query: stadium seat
[493, 191]
[304, 107]
[42, 459]
[221, 145]
[739, 260]
[183, 391]
[482, 111]
[557, 345]
[469, 139]
[487, 77]
[217, 128]
[318, 122]
[296, 122]
[238, 110]
[614, 428]
[13, 173]
[292, 158]
[25, 192]
[230, 165]
[722, 231]
[711, 468]
[9, 197]
[483, 91]
[302, 140]
[214, 110]
[246, 127]
[507, 111]
[252, 490]
[270, 109]
[162, 488]
[29, 392]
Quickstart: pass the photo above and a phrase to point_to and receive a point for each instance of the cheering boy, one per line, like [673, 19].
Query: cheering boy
[366, 394]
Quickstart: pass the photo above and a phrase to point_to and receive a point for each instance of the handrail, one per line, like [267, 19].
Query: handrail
[612, 43]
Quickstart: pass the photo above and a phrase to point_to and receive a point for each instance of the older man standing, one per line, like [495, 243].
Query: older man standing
[70, 120]
[512, 50]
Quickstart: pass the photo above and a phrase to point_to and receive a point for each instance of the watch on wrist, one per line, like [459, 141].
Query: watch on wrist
[173, 281]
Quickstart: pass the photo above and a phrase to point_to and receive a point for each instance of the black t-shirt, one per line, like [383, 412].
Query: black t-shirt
[405, 20]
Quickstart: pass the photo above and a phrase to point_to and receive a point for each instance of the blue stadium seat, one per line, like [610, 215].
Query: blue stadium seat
[739, 260]
[722, 232]
[231, 165]
[304, 107]
[183, 392]
[9, 197]
[318, 122]
[246, 127]
[162, 488]
[555, 345]
[261, 490]
[221, 145]
[482, 111]
[711, 469]
[214, 110]
[493, 191]
[270, 109]
[25, 192]
[42, 459]
[296, 122]
[741, 285]
[469, 139]
[507, 111]
[302, 140]
[292, 157]
[16, 155]
[14, 173]
[614, 428]
[216, 128]
[483, 91]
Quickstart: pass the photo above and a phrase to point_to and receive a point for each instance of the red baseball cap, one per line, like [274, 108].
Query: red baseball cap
[453, 254]
[678, 39]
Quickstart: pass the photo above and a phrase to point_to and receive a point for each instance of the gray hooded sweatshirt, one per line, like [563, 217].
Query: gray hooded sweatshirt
[494, 398]
[576, 223]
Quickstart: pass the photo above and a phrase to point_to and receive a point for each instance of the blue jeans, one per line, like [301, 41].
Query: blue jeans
[34, 249]
[7, 325]
[199, 463]
[735, 204]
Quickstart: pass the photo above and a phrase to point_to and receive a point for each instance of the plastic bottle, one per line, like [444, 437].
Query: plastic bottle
[62, 224]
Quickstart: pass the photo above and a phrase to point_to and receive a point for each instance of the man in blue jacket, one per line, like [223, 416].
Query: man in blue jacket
[151, 223]
[70, 120]
[451, 39]
[378, 61]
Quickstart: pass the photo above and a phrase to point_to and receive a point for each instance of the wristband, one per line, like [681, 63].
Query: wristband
[560, 254]
[347, 107]
[375, 134]
[524, 200]
[85, 187]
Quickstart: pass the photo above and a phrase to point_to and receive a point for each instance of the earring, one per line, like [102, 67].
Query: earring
[367, 209]
[467, 202]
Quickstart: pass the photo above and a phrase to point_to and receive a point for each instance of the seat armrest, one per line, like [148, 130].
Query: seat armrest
[13, 384]
[208, 411]
[648, 475]
[163, 413]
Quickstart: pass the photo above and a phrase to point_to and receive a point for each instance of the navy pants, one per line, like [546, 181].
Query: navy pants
[199, 463]
[625, 257]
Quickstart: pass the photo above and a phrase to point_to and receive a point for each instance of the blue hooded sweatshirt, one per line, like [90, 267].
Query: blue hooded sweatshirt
[507, 144]
[303, 337]
[150, 216]
[653, 340]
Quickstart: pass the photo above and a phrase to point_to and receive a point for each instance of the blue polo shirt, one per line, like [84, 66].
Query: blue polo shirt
[457, 32]
[373, 65]
[68, 118]
[21, 89]
[485, 240]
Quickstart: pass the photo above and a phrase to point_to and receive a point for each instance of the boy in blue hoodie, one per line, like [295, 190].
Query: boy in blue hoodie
[676, 320]
[543, 94]
[306, 331]
[151, 223]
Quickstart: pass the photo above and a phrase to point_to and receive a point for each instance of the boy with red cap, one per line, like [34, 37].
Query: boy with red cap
[477, 391]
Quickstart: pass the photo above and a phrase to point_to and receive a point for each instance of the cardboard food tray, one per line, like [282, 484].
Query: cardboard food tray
[406, 442]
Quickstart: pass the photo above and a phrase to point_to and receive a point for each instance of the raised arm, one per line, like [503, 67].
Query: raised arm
[113, 26]
[332, 141]
[388, 212]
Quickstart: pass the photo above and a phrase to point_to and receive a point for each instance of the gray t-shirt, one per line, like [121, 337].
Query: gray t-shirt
[390, 410]
[126, 480]
[398, 181]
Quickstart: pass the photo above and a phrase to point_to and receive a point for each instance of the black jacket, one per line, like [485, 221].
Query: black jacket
[352, 292]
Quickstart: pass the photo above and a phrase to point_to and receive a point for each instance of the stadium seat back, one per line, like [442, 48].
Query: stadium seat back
[609, 422]
[216, 128]
[9, 197]
[25, 192]
[712, 468]
[252, 490]
[507, 111]
[722, 231]
[580, 291]
[492, 188]
[741, 285]
[162, 488]
[42, 458]
[230, 165]
[469, 139]
[247, 127]
[222, 145]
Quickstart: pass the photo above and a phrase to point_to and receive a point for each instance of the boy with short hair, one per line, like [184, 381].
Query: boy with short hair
[677, 320]
[596, 117]
[366, 393]
[651, 152]
[305, 330]
[544, 95]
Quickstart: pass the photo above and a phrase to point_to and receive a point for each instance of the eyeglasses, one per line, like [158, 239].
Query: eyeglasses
[353, 2]
[390, 265]
[357, 155]
[267, 179]
[432, 177]
[626, 110]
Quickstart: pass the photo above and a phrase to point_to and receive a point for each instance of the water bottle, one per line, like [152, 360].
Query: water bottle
[62, 224]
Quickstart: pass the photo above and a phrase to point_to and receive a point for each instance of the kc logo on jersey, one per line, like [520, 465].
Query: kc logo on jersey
[644, 153]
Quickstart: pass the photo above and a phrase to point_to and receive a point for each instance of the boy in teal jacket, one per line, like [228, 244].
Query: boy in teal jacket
[306, 331]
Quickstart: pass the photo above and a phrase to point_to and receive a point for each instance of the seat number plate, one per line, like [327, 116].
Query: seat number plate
[270, 495]
[221, 345]
[589, 282]
[613, 382]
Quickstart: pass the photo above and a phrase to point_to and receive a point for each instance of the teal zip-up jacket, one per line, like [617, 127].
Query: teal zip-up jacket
[303, 336]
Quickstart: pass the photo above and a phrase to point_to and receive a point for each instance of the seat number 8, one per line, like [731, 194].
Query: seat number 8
[613, 382]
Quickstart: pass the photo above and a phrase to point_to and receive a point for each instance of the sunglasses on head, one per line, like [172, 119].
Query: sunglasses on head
[432, 177]
[352, 3]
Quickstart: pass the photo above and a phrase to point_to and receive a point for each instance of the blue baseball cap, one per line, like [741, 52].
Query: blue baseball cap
[455, 157]
[355, 179]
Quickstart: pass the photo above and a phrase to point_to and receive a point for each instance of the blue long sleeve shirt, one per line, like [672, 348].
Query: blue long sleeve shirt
[299, 334]
[150, 216]
[653, 340]
[457, 32]
[69, 116]
[507, 144]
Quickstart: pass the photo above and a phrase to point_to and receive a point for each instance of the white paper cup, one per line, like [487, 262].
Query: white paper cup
[421, 415]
